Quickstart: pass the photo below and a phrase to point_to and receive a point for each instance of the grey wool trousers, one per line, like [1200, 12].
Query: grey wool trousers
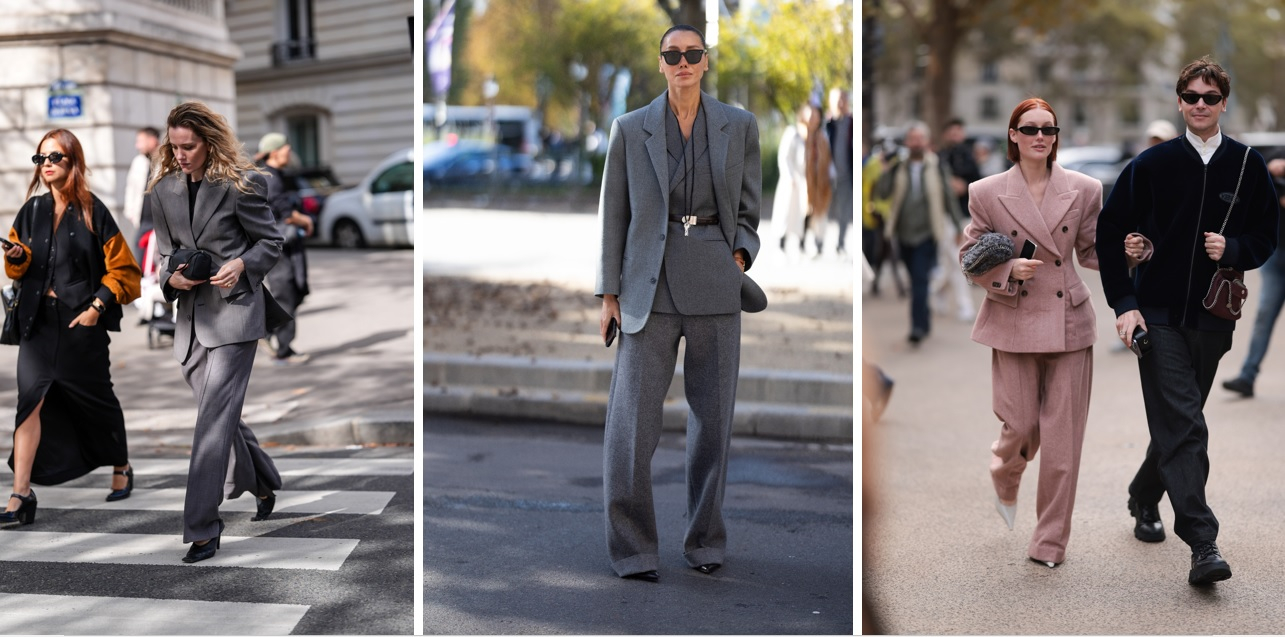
[643, 371]
[224, 450]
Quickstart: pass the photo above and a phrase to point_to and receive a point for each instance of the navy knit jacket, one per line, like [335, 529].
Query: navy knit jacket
[1169, 196]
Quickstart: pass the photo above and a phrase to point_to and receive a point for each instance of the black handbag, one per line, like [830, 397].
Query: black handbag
[1227, 292]
[11, 333]
[199, 264]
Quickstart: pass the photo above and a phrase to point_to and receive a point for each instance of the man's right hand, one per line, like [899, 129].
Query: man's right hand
[610, 310]
[1126, 323]
[178, 281]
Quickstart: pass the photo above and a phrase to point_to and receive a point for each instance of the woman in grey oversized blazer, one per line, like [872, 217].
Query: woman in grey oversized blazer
[206, 195]
[679, 214]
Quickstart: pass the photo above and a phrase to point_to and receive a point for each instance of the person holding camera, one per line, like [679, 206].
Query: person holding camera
[216, 239]
[1204, 201]
[1037, 319]
[74, 270]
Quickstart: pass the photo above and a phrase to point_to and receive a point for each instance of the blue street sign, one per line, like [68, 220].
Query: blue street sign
[64, 100]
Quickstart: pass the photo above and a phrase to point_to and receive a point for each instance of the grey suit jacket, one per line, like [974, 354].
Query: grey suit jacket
[227, 224]
[634, 208]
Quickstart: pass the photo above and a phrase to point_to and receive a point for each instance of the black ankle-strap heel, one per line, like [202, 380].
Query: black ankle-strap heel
[121, 494]
[25, 513]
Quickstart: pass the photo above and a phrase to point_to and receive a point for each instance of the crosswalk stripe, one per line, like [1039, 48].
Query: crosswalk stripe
[316, 554]
[347, 502]
[77, 615]
[289, 467]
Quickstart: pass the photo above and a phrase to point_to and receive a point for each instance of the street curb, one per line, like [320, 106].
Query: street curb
[380, 428]
[773, 420]
[788, 387]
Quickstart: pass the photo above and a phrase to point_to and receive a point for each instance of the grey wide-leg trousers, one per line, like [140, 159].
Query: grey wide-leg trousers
[219, 378]
[643, 371]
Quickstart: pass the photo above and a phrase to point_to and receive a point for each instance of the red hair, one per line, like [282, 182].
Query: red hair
[76, 189]
[1030, 105]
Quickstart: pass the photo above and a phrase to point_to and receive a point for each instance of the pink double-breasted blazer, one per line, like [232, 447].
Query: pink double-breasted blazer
[1051, 311]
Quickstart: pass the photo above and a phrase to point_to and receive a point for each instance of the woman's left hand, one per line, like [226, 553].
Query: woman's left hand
[229, 274]
[88, 318]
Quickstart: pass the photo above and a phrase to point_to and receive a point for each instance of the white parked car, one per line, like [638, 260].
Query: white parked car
[378, 212]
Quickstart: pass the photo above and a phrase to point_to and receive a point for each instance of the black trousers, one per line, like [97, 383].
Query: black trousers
[1176, 377]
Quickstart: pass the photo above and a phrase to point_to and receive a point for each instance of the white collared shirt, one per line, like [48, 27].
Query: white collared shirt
[1206, 148]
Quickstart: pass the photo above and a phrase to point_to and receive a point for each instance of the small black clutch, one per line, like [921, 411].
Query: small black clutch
[990, 250]
[199, 264]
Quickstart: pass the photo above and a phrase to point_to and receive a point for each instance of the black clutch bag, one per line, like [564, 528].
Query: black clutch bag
[199, 264]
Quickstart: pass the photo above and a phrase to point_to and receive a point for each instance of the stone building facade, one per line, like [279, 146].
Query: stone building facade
[336, 76]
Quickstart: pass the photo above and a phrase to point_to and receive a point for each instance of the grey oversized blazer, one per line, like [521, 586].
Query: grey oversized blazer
[227, 224]
[634, 208]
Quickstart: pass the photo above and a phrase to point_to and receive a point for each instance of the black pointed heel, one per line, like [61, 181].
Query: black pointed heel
[708, 568]
[264, 508]
[25, 513]
[199, 552]
[121, 494]
[646, 576]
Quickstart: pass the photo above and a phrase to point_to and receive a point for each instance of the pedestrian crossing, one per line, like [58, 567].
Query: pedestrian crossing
[61, 546]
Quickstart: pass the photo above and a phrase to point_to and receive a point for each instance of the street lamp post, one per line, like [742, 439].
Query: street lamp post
[490, 89]
[578, 73]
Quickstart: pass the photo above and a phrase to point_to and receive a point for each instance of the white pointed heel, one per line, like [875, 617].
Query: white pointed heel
[1006, 511]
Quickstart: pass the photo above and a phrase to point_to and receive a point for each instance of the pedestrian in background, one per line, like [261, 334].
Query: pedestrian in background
[1270, 300]
[1038, 321]
[923, 213]
[838, 128]
[1179, 194]
[671, 267]
[207, 196]
[288, 279]
[790, 202]
[819, 169]
[957, 154]
[140, 169]
[76, 270]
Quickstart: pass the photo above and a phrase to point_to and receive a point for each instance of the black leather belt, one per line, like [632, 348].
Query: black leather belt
[700, 221]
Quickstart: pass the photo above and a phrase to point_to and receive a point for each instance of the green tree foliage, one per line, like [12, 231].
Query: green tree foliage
[521, 41]
[780, 54]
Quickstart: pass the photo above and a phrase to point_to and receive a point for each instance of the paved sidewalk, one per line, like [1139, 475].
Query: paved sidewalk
[511, 329]
[939, 560]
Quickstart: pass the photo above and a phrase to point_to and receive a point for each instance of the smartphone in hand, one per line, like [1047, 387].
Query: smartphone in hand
[1028, 250]
[611, 331]
[8, 245]
[1140, 342]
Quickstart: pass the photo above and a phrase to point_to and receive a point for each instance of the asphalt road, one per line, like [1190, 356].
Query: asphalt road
[370, 592]
[514, 538]
[937, 558]
[357, 325]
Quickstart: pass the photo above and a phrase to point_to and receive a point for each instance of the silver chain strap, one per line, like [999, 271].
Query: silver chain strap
[1236, 195]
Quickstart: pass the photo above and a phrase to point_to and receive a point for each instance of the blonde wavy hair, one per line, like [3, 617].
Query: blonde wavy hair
[225, 159]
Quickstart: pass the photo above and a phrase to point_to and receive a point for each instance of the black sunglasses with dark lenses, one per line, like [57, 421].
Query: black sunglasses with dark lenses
[1192, 98]
[672, 57]
[1030, 131]
[53, 158]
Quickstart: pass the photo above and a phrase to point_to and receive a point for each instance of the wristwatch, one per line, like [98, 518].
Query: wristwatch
[97, 304]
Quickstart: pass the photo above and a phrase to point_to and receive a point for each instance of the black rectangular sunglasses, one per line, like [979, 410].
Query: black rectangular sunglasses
[693, 56]
[1030, 131]
[53, 158]
[1192, 98]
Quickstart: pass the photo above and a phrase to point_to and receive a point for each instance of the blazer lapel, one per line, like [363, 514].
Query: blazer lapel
[1021, 206]
[1058, 200]
[208, 199]
[654, 123]
[715, 121]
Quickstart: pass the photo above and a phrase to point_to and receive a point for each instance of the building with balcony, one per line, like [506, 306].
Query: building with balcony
[336, 76]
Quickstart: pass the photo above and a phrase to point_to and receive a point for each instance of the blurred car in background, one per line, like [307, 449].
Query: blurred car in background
[313, 185]
[466, 163]
[377, 212]
[1102, 163]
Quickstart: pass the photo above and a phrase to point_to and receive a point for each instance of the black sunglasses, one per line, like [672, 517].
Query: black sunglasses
[1030, 131]
[53, 158]
[1192, 98]
[672, 57]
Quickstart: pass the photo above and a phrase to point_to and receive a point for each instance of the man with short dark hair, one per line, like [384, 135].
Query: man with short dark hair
[957, 154]
[1177, 194]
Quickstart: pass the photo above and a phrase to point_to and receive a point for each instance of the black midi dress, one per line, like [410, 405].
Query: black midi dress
[82, 425]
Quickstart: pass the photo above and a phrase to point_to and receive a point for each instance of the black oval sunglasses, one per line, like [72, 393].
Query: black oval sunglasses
[53, 158]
